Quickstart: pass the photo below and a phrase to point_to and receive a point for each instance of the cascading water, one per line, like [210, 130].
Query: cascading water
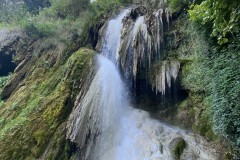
[112, 38]
[106, 127]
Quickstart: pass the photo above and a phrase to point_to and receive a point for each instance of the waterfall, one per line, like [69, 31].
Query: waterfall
[105, 126]
[112, 38]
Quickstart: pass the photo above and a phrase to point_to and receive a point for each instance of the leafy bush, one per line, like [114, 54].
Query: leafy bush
[212, 73]
[11, 11]
[66, 8]
[194, 51]
[178, 5]
[226, 95]
[66, 17]
[37, 30]
[104, 6]
[34, 6]
[221, 17]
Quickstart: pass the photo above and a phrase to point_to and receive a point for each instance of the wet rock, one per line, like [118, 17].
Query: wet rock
[8, 41]
[177, 146]
[189, 155]
[138, 11]
[8, 37]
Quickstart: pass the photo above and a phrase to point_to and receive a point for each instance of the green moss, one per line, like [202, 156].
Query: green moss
[184, 105]
[192, 113]
[204, 128]
[179, 148]
[35, 122]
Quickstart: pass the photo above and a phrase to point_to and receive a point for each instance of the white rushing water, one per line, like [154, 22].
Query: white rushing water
[112, 37]
[117, 130]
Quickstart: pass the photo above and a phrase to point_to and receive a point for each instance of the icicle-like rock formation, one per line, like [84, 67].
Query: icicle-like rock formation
[168, 15]
[139, 43]
[157, 30]
[142, 41]
[167, 71]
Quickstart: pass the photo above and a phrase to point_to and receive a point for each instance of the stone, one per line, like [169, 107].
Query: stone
[177, 146]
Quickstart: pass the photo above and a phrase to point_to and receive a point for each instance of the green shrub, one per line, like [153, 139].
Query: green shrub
[220, 17]
[34, 6]
[37, 30]
[195, 51]
[178, 5]
[213, 73]
[66, 8]
[104, 6]
[226, 95]
[11, 12]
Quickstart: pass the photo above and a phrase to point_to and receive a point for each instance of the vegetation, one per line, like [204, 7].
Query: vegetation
[11, 12]
[221, 21]
[34, 6]
[219, 17]
[61, 20]
[178, 5]
[196, 77]
[210, 67]
[225, 94]
[3, 81]
[46, 108]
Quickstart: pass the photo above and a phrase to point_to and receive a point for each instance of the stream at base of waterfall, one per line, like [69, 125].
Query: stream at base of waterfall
[131, 134]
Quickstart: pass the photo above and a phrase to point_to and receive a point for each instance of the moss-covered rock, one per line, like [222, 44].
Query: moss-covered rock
[33, 117]
[177, 147]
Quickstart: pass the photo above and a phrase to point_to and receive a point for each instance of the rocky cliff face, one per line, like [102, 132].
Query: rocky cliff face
[39, 96]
